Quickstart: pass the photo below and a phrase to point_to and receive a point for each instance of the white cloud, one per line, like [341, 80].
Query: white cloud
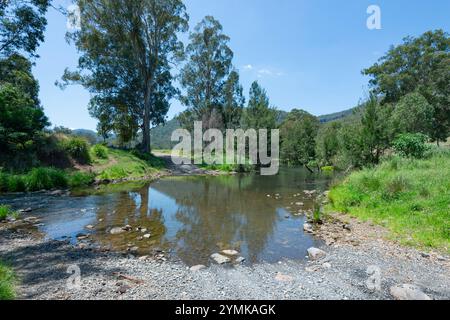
[248, 67]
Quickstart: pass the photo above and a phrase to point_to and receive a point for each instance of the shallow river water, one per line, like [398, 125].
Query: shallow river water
[189, 217]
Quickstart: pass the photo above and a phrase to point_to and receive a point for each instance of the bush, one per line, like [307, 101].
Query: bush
[78, 149]
[45, 179]
[100, 151]
[411, 145]
[80, 179]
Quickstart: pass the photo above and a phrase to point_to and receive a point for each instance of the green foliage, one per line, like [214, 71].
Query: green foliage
[80, 179]
[298, 133]
[6, 211]
[100, 151]
[7, 280]
[259, 114]
[128, 68]
[412, 114]
[410, 197]
[327, 143]
[22, 25]
[131, 165]
[206, 75]
[411, 145]
[45, 179]
[22, 118]
[78, 149]
[418, 65]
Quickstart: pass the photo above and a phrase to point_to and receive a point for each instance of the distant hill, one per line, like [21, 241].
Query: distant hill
[336, 115]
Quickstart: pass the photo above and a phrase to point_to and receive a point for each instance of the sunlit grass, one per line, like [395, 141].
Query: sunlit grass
[409, 197]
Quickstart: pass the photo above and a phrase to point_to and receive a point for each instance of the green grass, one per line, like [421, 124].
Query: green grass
[7, 280]
[125, 164]
[6, 211]
[409, 197]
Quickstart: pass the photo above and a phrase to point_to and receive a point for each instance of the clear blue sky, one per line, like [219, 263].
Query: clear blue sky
[307, 53]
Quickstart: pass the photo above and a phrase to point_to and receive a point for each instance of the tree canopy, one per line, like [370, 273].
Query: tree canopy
[419, 65]
[127, 51]
[22, 26]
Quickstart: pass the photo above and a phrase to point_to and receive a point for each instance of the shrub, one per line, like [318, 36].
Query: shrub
[80, 179]
[100, 151]
[78, 149]
[411, 145]
[45, 179]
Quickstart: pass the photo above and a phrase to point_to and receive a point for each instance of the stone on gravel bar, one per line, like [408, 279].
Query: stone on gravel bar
[316, 254]
[230, 252]
[408, 292]
[239, 260]
[197, 268]
[117, 230]
[220, 259]
[308, 228]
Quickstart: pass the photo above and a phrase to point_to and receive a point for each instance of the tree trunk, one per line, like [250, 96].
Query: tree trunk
[146, 127]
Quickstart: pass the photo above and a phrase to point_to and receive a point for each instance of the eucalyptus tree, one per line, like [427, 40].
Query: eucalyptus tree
[205, 74]
[22, 26]
[418, 65]
[128, 49]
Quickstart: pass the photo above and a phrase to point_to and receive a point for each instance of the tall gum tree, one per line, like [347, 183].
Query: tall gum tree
[128, 49]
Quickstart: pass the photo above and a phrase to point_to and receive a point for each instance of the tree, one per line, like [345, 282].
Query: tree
[20, 122]
[127, 49]
[22, 117]
[374, 130]
[234, 101]
[259, 114]
[418, 65]
[298, 134]
[327, 143]
[22, 25]
[16, 70]
[411, 145]
[204, 76]
[412, 114]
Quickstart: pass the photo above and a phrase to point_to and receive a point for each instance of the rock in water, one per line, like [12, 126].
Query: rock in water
[230, 252]
[408, 292]
[197, 268]
[316, 254]
[308, 228]
[220, 259]
[117, 230]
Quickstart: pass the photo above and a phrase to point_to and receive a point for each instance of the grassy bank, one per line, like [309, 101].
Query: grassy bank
[409, 197]
[120, 164]
[104, 164]
[6, 283]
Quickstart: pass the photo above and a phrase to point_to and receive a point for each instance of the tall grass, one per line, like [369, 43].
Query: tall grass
[6, 211]
[7, 279]
[43, 179]
[410, 197]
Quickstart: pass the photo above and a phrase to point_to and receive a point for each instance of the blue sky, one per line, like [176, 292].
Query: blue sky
[308, 54]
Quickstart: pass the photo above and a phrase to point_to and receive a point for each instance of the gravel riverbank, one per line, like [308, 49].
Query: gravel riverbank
[45, 269]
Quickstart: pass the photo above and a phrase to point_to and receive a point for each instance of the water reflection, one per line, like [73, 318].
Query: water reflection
[194, 216]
